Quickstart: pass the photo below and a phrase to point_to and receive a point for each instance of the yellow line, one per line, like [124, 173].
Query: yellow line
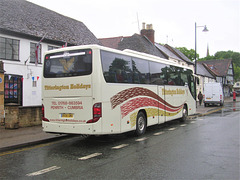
[25, 149]
[213, 111]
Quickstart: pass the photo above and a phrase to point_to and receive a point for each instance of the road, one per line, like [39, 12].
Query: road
[203, 148]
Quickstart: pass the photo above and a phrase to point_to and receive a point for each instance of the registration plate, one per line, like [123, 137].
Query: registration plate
[67, 115]
[208, 98]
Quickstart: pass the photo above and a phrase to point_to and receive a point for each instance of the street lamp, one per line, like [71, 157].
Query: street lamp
[204, 30]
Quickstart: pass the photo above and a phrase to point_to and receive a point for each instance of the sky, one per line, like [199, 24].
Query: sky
[173, 20]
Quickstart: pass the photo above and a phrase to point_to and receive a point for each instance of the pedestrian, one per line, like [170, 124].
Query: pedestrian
[200, 98]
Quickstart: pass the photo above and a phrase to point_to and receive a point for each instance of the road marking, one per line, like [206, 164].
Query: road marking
[25, 149]
[183, 125]
[43, 171]
[159, 133]
[172, 129]
[213, 111]
[199, 119]
[192, 122]
[90, 156]
[141, 139]
[120, 146]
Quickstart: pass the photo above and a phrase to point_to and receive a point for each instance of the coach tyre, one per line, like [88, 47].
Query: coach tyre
[141, 124]
[184, 114]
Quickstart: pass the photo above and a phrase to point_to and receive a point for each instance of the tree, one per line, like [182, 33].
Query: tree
[235, 56]
[236, 72]
[190, 54]
[207, 58]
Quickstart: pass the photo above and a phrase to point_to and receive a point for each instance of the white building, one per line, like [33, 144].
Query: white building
[222, 70]
[204, 77]
[22, 26]
[22, 76]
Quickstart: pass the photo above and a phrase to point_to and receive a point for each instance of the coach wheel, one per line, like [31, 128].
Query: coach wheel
[184, 114]
[141, 124]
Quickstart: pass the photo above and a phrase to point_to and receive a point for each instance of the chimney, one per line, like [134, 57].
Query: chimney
[143, 25]
[148, 32]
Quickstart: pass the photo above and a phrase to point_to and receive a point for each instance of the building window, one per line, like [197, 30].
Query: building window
[34, 83]
[230, 72]
[13, 89]
[9, 49]
[33, 53]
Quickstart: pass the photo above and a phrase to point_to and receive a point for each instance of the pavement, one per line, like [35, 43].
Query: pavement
[19, 138]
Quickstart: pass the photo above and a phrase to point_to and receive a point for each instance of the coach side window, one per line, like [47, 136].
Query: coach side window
[157, 73]
[174, 76]
[140, 71]
[117, 68]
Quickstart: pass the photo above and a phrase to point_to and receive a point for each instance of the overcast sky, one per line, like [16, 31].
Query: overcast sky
[172, 20]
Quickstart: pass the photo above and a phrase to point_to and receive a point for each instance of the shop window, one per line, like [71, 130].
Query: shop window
[13, 89]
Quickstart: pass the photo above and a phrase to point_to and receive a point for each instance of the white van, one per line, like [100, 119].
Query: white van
[213, 94]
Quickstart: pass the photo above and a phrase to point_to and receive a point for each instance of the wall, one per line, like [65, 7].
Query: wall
[17, 116]
[30, 116]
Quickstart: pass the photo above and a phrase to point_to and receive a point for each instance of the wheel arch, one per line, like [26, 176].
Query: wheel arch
[186, 105]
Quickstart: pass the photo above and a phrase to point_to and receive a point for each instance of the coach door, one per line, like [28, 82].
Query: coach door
[161, 105]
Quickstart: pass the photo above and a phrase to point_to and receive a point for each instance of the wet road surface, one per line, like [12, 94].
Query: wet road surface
[203, 148]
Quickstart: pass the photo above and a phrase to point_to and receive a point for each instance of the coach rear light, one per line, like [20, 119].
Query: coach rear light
[43, 115]
[97, 113]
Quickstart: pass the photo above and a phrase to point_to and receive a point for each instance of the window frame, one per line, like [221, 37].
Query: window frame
[33, 54]
[50, 47]
[7, 44]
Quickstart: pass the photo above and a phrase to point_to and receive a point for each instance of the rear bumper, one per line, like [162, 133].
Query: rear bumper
[70, 128]
[214, 102]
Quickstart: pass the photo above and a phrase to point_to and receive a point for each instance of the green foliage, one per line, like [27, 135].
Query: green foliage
[236, 69]
[190, 54]
[235, 56]
[207, 58]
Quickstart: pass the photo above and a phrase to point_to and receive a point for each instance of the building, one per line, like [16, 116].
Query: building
[204, 77]
[207, 71]
[223, 71]
[22, 25]
[175, 55]
[145, 42]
